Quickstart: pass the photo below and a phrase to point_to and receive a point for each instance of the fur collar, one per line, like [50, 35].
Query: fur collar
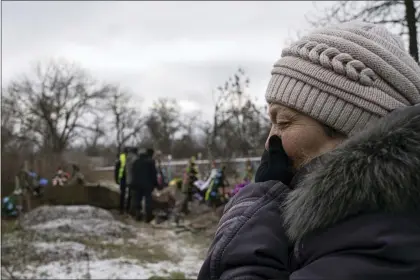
[377, 170]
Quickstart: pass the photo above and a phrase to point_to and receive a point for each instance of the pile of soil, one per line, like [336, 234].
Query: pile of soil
[201, 218]
[74, 220]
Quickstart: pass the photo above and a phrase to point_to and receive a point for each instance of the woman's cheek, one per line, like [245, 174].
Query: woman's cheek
[295, 145]
[290, 145]
[288, 140]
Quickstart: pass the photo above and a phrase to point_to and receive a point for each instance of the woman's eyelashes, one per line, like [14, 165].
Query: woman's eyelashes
[285, 120]
[282, 124]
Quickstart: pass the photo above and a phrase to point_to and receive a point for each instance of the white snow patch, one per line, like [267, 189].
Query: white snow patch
[87, 226]
[44, 246]
[46, 214]
[68, 251]
[191, 261]
[75, 220]
[103, 269]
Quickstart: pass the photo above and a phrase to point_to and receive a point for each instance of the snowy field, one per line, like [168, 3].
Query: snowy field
[84, 242]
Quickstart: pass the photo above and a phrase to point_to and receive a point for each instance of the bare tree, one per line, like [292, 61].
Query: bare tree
[54, 105]
[187, 142]
[221, 98]
[245, 133]
[238, 123]
[92, 140]
[14, 137]
[127, 120]
[8, 122]
[403, 14]
[163, 123]
[14, 147]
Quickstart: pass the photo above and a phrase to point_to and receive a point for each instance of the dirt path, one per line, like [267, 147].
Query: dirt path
[84, 242]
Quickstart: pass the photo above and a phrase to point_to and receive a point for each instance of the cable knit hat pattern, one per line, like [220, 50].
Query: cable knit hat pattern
[346, 75]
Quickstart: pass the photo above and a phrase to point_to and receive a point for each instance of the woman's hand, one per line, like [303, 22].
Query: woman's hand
[275, 164]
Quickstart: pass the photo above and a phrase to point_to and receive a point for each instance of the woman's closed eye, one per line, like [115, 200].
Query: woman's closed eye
[283, 123]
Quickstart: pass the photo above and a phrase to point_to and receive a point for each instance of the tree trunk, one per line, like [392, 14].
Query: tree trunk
[410, 16]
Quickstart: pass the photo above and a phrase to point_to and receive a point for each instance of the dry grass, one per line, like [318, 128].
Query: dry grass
[9, 226]
[173, 275]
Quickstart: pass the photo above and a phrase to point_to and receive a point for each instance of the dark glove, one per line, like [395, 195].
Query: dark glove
[275, 164]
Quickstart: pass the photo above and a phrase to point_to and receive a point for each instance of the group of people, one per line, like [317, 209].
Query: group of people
[27, 183]
[213, 190]
[62, 178]
[30, 183]
[137, 176]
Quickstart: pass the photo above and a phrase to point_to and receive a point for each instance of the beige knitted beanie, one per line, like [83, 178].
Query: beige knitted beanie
[346, 75]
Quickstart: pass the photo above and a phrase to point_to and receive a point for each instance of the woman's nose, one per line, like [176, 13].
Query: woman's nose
[273, 131]
[266, 145]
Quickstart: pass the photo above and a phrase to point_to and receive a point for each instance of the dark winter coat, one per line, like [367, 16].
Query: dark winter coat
[353, 213]
[117, 166]
[144, 173]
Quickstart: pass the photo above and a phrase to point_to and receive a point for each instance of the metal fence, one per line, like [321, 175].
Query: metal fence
[236, 166]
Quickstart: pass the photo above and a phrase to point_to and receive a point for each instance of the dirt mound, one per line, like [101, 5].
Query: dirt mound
[201, 217]
[45, 214]
[75, 220]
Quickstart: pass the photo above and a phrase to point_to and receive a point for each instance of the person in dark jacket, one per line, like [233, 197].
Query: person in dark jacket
[144, 181]
[351, 141]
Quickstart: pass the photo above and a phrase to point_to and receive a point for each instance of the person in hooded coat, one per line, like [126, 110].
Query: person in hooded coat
[337, 192]
[144, 181]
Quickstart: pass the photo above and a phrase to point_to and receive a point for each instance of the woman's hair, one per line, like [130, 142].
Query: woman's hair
[333, 133]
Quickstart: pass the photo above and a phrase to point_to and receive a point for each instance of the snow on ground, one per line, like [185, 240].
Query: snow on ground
[82, 264]
[81, 242]
[45, 247]
[96, 227]
[75, 220]
[104, 269]
[61, 250]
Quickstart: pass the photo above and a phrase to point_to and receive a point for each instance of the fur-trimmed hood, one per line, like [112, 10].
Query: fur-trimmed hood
[375, 170]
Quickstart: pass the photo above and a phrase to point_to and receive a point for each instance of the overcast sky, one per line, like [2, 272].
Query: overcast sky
[181, 50]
